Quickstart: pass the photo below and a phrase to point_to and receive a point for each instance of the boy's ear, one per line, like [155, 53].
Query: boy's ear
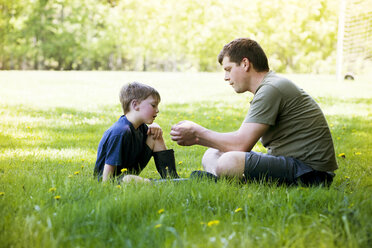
[135, 104]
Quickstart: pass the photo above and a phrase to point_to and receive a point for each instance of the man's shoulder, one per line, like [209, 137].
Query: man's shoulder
[283, 85]
[275, 80]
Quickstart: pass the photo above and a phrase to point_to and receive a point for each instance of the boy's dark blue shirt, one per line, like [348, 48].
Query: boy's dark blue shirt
[122, 146]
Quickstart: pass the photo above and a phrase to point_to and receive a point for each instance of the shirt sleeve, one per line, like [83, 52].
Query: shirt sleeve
[265, 106]
[117, 146]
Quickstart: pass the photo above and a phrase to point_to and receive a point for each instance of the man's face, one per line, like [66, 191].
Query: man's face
[235, 74]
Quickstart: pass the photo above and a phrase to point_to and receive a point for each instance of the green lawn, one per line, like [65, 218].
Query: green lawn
[50, 126]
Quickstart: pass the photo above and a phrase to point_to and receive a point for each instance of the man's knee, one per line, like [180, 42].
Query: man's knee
[210, 159]
[211, 154]
[231, 164]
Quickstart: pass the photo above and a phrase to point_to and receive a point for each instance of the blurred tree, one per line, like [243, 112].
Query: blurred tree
[163, 35]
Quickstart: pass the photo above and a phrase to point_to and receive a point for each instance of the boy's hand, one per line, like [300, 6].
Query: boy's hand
[155, 131]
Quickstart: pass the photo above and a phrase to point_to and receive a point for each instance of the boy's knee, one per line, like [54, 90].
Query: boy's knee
[156, 144]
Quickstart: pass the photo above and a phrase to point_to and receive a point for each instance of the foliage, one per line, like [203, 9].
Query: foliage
[51, 123]
[163, 35]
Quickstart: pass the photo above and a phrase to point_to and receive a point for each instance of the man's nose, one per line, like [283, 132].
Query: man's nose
[227, 77]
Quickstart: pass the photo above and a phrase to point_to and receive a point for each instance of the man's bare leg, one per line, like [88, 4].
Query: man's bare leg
[231, 164]
[210, 160]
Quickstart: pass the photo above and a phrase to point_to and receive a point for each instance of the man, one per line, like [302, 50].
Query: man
[289, 122]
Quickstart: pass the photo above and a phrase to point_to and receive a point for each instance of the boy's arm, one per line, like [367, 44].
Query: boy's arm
[108, 171]
[155, 131]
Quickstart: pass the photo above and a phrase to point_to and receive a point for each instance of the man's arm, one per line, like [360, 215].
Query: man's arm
[108, 171]
[188, 133]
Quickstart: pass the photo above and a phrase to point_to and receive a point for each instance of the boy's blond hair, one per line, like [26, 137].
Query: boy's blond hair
[136, 91]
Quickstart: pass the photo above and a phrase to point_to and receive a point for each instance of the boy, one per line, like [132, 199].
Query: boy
[127, 146]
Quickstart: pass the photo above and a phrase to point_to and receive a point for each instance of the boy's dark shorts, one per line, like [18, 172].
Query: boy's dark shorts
[259, 166]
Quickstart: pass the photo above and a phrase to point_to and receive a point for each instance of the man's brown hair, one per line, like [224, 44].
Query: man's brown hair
[241, 48]
[136, 91]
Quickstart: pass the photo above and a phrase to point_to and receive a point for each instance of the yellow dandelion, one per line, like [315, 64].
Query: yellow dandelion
[124, 170]
[2, 193]
[82, 167]
[118, 186]
[52, 189]
[57, 197]
[180, 162]
[213, 223]
[342, 155]
[358, 153]
[157, 226]
[76, 172]
[347, 177]
[160, 211]
[238, 210]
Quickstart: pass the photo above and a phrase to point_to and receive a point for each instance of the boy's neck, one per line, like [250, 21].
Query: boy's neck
[132, 118]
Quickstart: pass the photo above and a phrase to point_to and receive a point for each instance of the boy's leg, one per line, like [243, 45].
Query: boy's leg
[156, 144]
[164, 159]
[133, 178]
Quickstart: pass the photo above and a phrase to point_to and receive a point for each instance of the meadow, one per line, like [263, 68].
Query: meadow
[50, 126]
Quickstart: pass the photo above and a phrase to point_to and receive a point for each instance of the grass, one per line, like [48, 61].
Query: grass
[51, 123]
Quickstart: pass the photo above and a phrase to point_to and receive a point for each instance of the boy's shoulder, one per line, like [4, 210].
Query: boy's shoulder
[125, 127]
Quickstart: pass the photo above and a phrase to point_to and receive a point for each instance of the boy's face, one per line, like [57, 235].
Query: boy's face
[148, 109]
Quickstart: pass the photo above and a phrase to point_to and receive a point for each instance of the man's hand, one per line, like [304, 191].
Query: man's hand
[184, 133]
[155, 131]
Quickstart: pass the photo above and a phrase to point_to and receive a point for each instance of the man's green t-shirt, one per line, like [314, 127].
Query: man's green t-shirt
[298, 128]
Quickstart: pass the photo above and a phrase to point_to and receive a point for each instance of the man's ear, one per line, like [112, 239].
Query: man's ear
[245, 63]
